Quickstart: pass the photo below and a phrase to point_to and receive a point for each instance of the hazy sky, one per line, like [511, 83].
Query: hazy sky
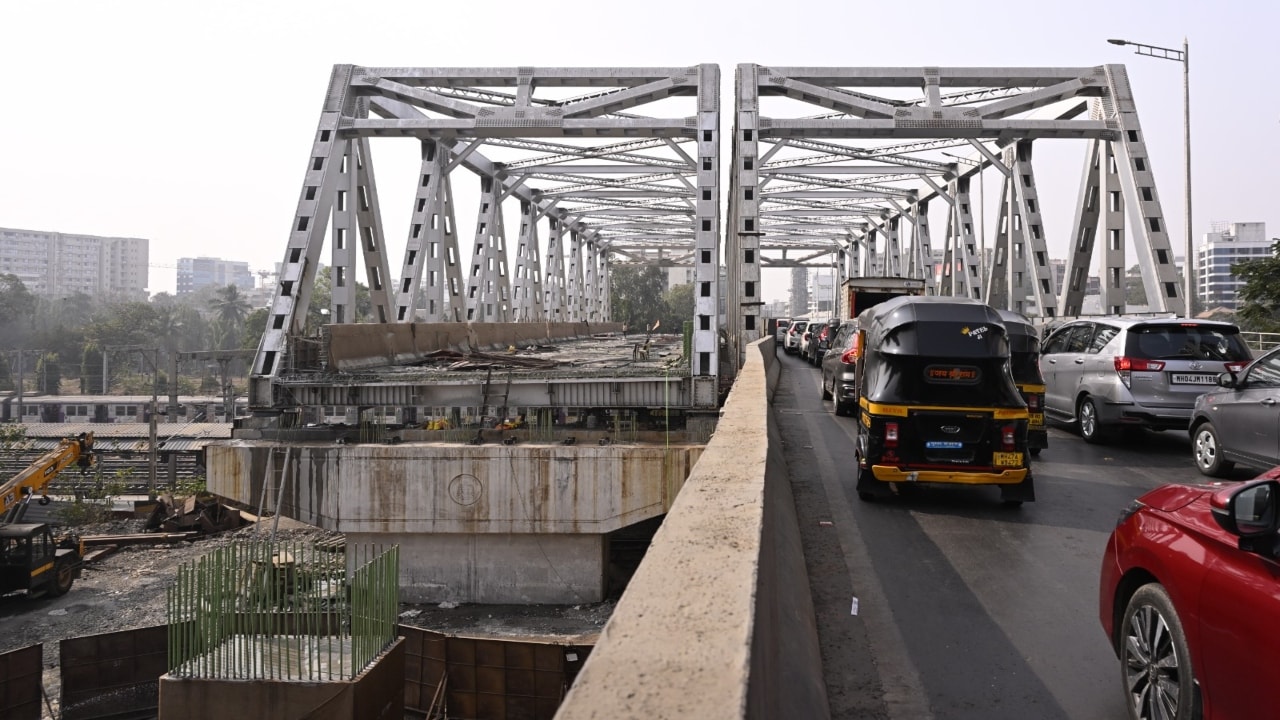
[190, 124]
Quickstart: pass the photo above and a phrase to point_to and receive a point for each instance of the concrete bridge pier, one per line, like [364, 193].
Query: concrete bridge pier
[520, 524]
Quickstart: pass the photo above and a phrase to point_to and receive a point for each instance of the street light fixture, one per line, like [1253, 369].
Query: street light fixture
[1183, 56]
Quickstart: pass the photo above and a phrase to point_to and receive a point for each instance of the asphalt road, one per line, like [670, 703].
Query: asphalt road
[965, 609]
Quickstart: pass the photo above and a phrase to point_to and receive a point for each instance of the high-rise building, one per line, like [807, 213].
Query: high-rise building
[196, 273]
[55, 264]
[1225, 246]
[799, 291]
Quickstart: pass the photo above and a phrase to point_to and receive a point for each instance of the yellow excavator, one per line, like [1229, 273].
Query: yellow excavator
[31, 558]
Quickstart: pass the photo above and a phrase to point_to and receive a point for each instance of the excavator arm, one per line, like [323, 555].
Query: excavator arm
[36, 477]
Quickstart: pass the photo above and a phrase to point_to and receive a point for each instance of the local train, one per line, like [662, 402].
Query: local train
[37, 408]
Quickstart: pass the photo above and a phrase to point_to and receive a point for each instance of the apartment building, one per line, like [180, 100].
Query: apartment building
[56, 264]
[201, 272]
[1223, 247]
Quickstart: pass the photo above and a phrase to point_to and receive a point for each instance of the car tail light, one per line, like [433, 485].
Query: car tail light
[1235, 366]
[1007, 435]
[891, 434]
[1124, 365]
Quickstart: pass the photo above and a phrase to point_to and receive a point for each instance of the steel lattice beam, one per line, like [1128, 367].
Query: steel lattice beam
[849, 176]
[547, 151]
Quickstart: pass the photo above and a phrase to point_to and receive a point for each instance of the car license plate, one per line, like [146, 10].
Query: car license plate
[1006, 459]
[1036, 420]
[944, 445]
[1194, 379]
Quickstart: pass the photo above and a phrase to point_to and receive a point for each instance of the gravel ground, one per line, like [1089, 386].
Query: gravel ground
[126, 590]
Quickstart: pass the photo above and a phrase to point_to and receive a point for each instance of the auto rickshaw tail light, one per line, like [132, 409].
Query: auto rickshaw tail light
[1033, 401]
[1007, 434]
[891, 434]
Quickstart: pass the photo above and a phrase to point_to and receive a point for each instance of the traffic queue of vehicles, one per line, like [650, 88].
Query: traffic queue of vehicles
[947, 390]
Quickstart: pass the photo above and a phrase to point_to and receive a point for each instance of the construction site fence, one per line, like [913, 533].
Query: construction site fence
[291, 611]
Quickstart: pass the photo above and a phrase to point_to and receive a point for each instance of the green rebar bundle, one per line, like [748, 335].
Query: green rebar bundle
[283, 611]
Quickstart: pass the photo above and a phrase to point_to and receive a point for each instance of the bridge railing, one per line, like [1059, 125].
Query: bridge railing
[1260, 341]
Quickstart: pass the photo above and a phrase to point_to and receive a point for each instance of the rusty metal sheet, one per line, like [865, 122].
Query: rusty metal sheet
[113, 674]
[489, 678]
[20, 683]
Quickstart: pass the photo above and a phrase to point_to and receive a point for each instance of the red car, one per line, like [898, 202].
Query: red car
[1190, 599]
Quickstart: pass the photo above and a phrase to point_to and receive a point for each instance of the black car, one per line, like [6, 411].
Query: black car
[838, 368]
[822, 335]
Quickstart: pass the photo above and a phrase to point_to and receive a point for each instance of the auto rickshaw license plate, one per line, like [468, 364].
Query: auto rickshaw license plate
[1036, 419]
[1006, 459]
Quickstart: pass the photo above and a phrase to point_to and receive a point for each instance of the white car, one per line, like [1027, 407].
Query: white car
[794, 333]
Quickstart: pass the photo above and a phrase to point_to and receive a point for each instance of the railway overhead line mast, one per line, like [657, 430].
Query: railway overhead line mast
[848, 168]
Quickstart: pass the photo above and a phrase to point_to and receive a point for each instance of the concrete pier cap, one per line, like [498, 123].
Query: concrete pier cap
[499, 524]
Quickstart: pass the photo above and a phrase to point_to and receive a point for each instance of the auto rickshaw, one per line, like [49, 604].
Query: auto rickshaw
[1024, 364]
[937, 402]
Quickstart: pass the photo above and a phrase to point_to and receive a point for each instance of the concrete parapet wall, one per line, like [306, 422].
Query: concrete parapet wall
[354, 346]
[455, 488]
[718, 620]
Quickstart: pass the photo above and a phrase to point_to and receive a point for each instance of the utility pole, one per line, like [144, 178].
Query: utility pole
[1183, 57]
[155, 411]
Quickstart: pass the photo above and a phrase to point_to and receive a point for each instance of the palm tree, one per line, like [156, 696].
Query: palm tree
[231, 308]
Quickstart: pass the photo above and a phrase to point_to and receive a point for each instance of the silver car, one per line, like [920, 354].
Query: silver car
[1239, 422]
[794, 333]
[1113, 373]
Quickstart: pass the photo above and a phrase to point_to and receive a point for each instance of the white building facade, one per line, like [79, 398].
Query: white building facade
[58, 265]
[1227, 245]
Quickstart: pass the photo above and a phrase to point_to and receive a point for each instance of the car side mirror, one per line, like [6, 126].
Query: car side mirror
[1249, 513]
[1227, 380]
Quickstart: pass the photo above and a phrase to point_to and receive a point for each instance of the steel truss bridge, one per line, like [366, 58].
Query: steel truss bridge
[837, 167]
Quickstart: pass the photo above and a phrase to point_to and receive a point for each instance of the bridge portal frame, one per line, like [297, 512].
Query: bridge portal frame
[839, 180]
[654, 186]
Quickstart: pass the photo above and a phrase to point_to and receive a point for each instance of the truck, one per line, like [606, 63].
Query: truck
[32, 558]
[858, 294]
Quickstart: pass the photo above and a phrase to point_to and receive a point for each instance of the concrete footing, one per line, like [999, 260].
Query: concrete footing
[375, 694]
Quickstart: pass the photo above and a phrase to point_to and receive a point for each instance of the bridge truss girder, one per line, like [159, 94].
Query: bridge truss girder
[569, 145]
[852, 179]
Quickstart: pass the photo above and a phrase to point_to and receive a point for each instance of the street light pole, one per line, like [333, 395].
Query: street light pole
[1182, 56]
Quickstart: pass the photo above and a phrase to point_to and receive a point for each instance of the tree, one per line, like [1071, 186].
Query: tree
[255, 326]
[322, 298]
[679, 305]
[92, 382]
[49, 374]
[636, 295]
[17, 309]
[230, 309]
[1259, 299]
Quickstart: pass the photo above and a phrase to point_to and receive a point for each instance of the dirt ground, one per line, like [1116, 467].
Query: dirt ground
[126, 590]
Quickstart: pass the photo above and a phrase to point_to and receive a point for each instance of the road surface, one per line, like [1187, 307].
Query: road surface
[965, 609]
